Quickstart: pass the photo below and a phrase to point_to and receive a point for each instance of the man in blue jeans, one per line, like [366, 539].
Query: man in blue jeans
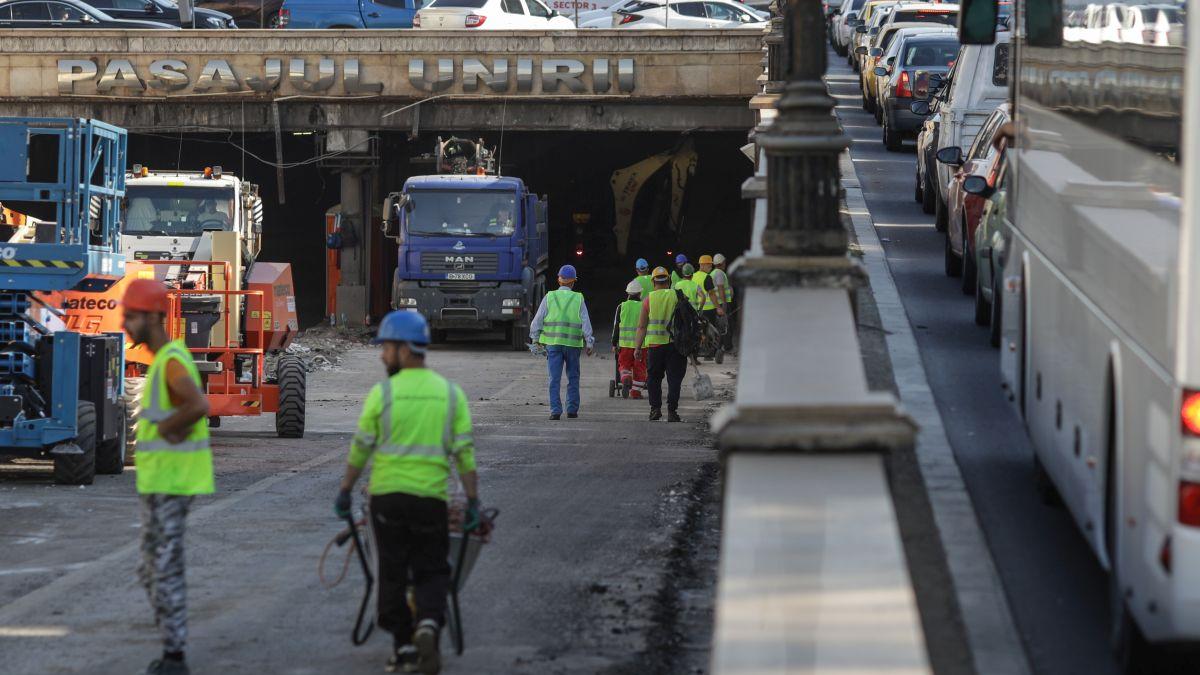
[563, 327]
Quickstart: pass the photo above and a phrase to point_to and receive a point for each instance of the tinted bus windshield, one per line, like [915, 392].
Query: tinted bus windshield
[464, 213]
[165, 210]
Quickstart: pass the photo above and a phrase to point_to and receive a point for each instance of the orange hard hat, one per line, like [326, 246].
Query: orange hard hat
[146, 295]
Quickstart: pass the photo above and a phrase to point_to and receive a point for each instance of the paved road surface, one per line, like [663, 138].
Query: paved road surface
[594, 512]
[1056, 589]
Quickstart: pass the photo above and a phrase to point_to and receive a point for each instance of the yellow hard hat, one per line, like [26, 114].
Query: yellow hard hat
[706, 260]
[660, 274]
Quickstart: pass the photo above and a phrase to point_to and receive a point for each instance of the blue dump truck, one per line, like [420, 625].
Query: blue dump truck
[473, 251]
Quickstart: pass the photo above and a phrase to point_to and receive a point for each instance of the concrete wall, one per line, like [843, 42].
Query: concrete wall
[681, 79]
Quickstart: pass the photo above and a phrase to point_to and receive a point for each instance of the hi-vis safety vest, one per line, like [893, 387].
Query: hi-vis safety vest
[647, 284]
[690, 291]
[706, 302]
[564, 319]
[413, 423]
[662, 308]
[166, 468]
[631, 313]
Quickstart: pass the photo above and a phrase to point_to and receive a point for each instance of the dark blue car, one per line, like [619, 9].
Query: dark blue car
[347, 13]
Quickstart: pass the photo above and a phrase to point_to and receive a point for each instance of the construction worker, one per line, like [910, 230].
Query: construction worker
[691, 291]
[413, 423]
[568, 331]
[625, 324]
[724, 289]
[174, 464]
[643, 276]
[653, 341]
[713, 306]
[677, 273]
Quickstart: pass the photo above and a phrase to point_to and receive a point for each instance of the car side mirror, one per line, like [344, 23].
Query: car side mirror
[977, 21]
[976, 185]
[861, 51]
[951, 156]
[880, 71]
[919, 108]
[553, 13]
[876, 52]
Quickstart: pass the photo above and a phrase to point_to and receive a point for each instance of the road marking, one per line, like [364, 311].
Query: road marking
[35, 601]
[41, 570]
[33, 631]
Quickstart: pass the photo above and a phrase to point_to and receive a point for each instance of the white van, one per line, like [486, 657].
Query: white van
[979, 86]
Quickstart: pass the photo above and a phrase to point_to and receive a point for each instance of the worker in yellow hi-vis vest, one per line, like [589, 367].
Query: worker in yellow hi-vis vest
[413, 424]
[562, 326]
[174, 464]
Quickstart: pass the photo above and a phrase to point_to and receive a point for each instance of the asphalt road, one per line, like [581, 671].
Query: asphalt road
[1056, 589]
[602, 560]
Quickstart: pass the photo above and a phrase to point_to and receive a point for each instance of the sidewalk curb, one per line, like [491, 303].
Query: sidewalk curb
[995, 645]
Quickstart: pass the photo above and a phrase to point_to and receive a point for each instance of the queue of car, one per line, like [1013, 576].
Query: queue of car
[952, 99]
[139, 14]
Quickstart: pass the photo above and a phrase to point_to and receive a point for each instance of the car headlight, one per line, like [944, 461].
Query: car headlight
[215, 22]
[406, 302]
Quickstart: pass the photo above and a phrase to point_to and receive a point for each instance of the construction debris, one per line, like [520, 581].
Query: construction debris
[321, 347]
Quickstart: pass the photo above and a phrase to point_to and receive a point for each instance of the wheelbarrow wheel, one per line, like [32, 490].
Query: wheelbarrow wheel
[626, 387]
[720, 357]
[612, 388]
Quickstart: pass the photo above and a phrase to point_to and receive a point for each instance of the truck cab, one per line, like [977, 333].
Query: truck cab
[473, 252]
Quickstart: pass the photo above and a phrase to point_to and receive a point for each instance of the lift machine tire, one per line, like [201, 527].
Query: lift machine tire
[79, 468]
[289, 418]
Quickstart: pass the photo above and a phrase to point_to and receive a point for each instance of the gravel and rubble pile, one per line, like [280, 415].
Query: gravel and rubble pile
[321, 347]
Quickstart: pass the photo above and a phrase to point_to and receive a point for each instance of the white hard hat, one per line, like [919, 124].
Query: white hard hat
[718, 259]
[634, 288]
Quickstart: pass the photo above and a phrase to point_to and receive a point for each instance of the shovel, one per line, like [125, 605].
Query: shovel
[702, 387]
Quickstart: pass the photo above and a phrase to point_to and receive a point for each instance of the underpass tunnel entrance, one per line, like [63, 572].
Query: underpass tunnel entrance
[675, 193]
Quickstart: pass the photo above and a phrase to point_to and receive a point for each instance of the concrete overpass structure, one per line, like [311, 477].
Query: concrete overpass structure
[369, 79]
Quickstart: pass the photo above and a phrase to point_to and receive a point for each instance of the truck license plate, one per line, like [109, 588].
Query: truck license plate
[460, 276]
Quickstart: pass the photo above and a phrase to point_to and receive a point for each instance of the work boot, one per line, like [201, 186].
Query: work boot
[555, 416]
[429, 659]
[673, 416]
[167, 667]
[655, 414]
[572, 416]
[404, 660]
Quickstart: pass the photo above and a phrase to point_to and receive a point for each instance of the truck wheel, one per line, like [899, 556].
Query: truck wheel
[80, 469]
[134, 386]
[289, 418]
[110, 454]
[518, 336]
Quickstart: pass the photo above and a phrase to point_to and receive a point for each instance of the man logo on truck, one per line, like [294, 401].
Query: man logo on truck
[460, 260]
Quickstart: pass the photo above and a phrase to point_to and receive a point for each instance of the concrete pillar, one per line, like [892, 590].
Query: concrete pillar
[352, 291]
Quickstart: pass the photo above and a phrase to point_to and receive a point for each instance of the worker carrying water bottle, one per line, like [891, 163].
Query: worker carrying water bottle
[413, 423]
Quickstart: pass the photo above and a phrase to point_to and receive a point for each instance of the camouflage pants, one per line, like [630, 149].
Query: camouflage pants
[161, 569]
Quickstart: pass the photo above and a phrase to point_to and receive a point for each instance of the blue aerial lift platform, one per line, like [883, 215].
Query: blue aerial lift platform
[61, 391]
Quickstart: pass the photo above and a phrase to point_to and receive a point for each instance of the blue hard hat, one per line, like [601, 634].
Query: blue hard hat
[680, 259]
[403, 326]
[641, 264]
[566, 272]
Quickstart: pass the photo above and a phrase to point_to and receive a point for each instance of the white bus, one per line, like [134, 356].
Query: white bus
[1101, 300]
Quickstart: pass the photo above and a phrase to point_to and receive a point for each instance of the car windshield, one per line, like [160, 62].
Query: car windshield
[463, 213]
[941, 16]
[177, 211]
[471, 4]
[930, 53]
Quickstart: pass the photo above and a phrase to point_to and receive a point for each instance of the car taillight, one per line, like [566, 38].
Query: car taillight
[903, 90]
[416, 20]
[1189, 412]
[1189, 503]
[285, 17]
[475, 20]
[629, 18]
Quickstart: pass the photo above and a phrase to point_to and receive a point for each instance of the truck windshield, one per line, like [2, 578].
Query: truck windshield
[462, 213]
[166, 210]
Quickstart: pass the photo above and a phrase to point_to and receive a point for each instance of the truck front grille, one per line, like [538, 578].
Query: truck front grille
[452, 261]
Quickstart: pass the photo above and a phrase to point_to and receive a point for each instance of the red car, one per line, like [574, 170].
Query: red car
[964, 209]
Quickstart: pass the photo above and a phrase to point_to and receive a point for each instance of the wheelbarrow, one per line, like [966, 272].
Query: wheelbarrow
[618, 388]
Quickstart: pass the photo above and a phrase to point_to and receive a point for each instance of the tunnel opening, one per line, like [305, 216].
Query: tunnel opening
[574, 170]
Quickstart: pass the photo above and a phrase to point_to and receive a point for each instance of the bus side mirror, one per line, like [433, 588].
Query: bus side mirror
[391, 213]
[1044, 23]
[977, 21]
[919, 108]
